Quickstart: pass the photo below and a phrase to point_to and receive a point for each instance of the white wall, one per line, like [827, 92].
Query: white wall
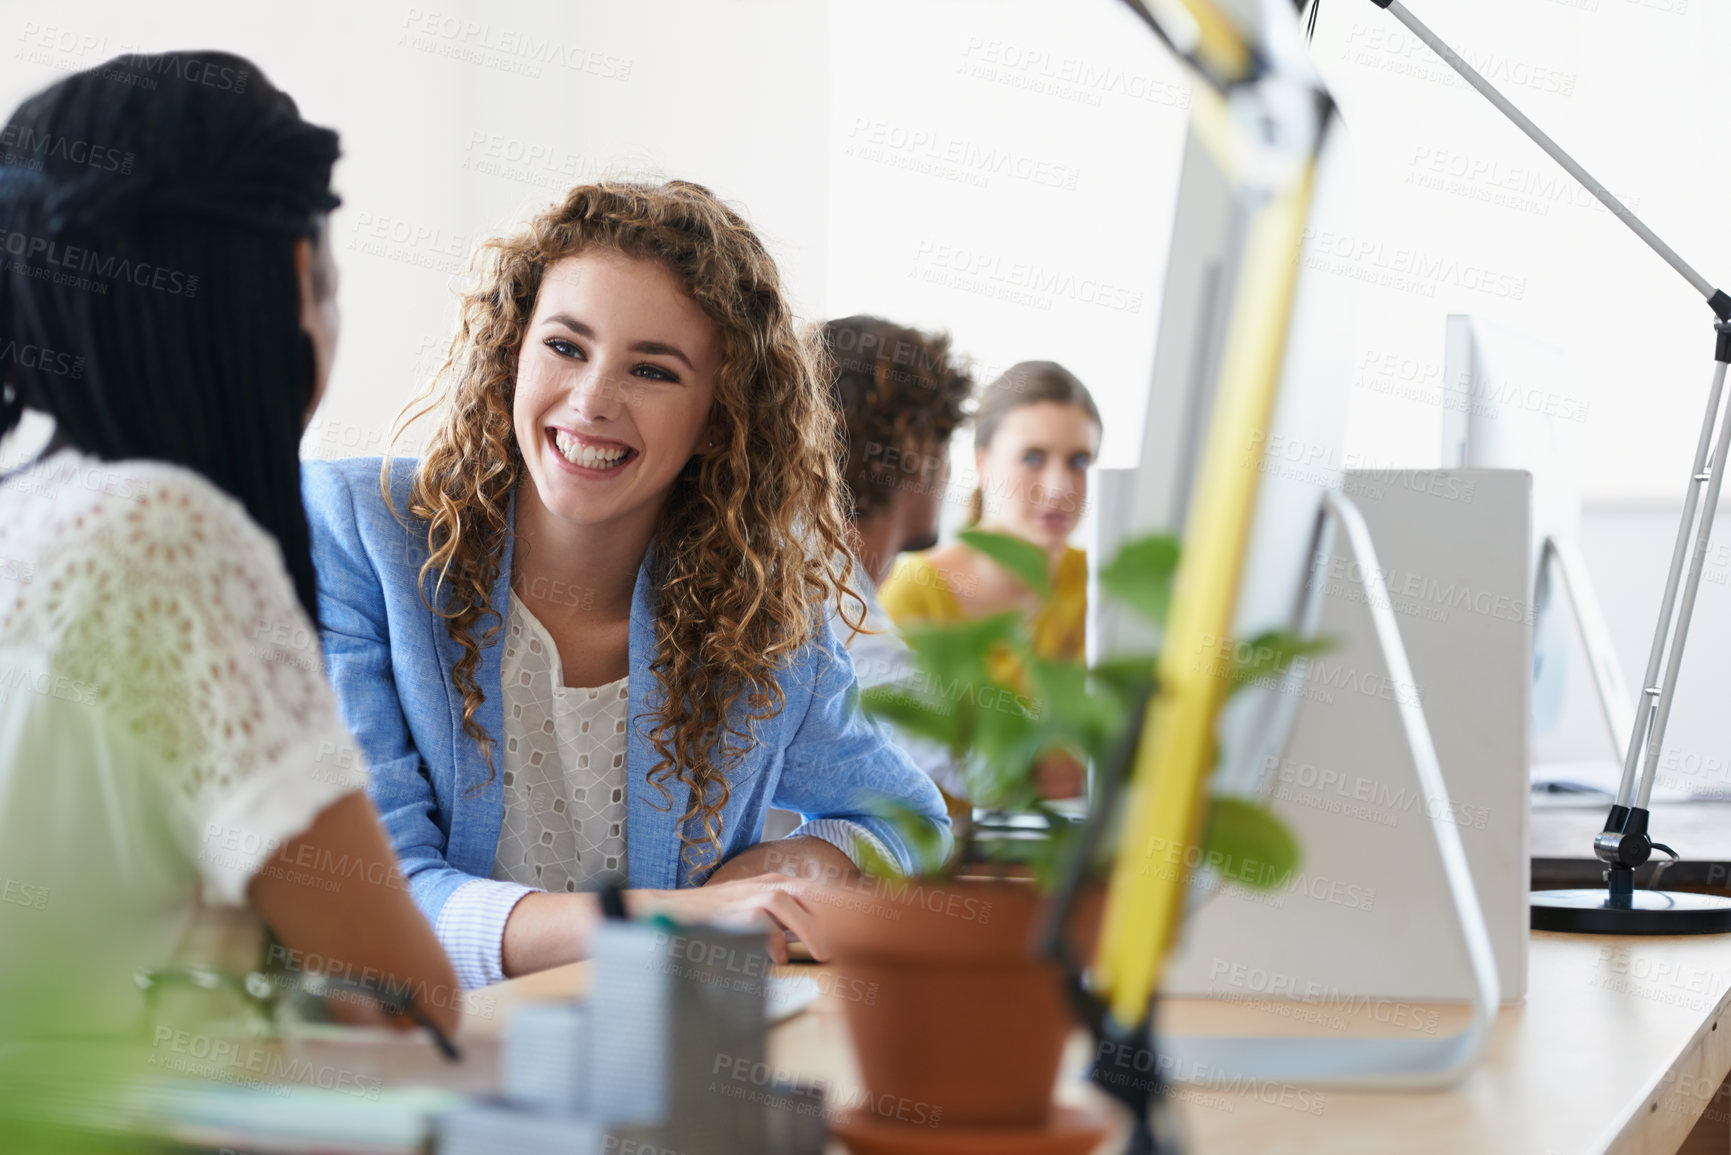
[881, 145]
[458, 118]
[1627, 86]
[1008, 172]
[1627, 549]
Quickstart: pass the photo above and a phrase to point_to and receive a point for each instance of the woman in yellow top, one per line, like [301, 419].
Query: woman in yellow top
[1036, 433]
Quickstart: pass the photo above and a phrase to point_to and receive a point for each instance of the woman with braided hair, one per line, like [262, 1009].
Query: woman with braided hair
[174, 776]
[586, 637]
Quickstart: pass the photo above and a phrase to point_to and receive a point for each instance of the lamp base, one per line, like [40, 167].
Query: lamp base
[1643, 912]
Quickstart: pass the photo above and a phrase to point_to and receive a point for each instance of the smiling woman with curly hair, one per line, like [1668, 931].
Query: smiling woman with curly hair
[587, 636]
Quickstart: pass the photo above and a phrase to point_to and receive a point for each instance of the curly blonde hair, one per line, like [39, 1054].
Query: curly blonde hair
[751, 544]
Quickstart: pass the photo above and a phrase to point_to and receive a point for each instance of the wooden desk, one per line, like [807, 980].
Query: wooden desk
[1621, 1047]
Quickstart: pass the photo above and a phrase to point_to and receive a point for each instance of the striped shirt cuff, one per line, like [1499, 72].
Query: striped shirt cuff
[471, 928]
[848, 837]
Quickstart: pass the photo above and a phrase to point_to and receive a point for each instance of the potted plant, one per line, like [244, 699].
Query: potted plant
[969, 1024]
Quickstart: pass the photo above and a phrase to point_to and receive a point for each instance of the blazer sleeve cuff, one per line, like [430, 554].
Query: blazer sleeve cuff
[471, 928]
[848, 837]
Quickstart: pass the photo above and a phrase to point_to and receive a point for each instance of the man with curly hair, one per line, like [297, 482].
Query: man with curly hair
[902, 396]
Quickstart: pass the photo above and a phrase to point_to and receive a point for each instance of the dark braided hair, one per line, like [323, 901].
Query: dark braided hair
[149, 303]
[902, 396]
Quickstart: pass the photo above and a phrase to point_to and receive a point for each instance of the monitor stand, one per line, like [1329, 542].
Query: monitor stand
[1368, 1062]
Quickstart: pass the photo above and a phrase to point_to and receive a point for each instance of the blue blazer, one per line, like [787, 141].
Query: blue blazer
[390, 660]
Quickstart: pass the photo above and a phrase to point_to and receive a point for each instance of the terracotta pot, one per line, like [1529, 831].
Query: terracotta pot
[967, 1026]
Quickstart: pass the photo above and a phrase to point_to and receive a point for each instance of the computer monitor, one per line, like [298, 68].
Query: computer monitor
[1303, 453]
[1269, 725]
[1508, 403]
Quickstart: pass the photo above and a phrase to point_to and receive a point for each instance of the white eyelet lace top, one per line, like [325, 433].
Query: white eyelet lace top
[564, 767]
[165, 724]
[565, 789]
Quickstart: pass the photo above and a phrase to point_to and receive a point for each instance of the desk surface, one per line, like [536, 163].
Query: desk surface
[1620, 1047]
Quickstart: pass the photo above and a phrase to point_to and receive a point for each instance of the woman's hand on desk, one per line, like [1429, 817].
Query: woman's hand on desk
[805, 859]
[549, 930]
[784, 907]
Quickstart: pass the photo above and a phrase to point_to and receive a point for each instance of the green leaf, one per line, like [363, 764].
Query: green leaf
[926, 840]
[1004, 778]
[1061, 845]
[1141, 576]
[1070, 713]
[908, 712]
[873, 863]
[1248, 845]
[1006, 740]
[1067, 840]
[958, 650]
[1024, 559]
[1126, 675]
[1271, 653]
[923, 838]
[956, 681]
